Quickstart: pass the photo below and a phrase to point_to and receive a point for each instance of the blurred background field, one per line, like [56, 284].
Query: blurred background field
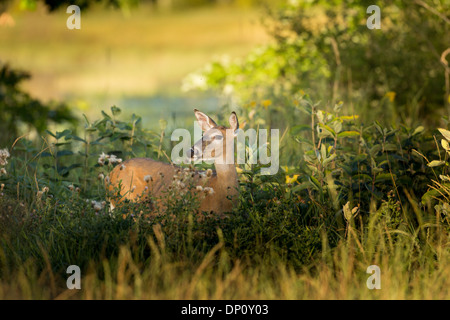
[134, 59]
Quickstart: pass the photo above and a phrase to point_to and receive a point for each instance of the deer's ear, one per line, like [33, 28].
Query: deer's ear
[234, 122]
[204, 121]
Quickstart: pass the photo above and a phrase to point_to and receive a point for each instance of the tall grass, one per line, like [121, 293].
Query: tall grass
[407, 272]
[293, 236]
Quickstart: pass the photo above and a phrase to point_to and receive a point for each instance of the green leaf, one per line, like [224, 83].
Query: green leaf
[115, 110]
[327, 128]
[64, 153]
[50, 133]
[361, 176]
[316, 183]
[390, 147]
[344, 134]
[445, 133]
[375, 149]
[337, 126]
[430, 195]
[106, 115]
[302, 186]
[64, 133]
[385, 177]
[436, 163]
[46, 154]
[418, 130]
[329, 159]
[77, 138]
[445, 144]
[349, 118]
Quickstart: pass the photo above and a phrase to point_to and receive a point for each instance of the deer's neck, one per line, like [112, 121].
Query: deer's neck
[226, 175]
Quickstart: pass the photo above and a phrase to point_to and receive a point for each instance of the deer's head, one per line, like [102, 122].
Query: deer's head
[213, 144]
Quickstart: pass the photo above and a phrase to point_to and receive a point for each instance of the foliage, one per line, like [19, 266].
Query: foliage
[325, 49]
[348, 204]
[19, 108]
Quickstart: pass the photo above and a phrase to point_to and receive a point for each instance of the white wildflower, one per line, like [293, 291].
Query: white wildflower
[148, 178]
[111, 159]
[208, 190]
[3, 171]
[4, 154]
[199, 188]
[101, 176]
[102, 158]
[209, 173]
[96, 205]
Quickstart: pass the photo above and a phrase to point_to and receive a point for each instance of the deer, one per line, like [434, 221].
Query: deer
[138, 177]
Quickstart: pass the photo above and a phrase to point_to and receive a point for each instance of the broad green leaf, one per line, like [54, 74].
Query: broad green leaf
[327, 128]
[78, 138]
[362, 176]
[390, 147]
[63, 133]
[344, 134]
[430, 195]
[302, 186]
[445, 144]
[337, 126]
[64, 153]
[436, 163]
[418, 130]
[385, 177]
[115, 110]
[349, 118]
[50, 133]
[445, 133]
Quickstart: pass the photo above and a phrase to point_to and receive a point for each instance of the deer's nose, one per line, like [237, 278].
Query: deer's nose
[192, 152]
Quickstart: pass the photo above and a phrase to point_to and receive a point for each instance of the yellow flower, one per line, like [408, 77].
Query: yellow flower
[266, 103]
[293, 179]
[391, 96]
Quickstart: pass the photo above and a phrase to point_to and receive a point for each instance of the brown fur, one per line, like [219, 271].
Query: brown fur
[224, 182]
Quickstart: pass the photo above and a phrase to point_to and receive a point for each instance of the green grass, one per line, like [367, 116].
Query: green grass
[284, 240]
